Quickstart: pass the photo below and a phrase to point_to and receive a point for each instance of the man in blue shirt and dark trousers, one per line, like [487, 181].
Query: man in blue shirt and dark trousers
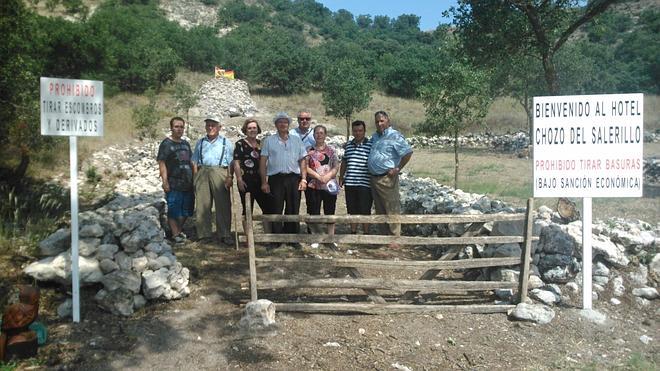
[211, 158]
[283, 170]
[389, 154]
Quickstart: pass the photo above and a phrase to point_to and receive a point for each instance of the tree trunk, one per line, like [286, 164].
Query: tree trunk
[21, 169]
[550, 74]
[455, 159]
[530, 122]
[348, 127]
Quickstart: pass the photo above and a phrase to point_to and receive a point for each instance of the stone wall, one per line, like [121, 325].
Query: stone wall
[619, 246]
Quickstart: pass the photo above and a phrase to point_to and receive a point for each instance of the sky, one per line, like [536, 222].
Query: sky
[430, 11]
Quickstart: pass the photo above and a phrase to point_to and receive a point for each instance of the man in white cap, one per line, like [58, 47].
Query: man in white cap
[283, 170]
[213, 180]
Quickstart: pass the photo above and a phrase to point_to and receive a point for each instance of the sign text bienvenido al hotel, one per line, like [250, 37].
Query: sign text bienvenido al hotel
[588, 145]
[71, 107]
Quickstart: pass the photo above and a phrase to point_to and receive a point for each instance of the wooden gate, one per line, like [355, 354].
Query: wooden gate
[409, 288]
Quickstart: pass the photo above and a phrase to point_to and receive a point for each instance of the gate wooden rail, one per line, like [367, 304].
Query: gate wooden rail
[410, 288]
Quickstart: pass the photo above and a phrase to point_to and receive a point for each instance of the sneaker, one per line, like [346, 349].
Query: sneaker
[179, 239]
[315, 245]
[331, 246]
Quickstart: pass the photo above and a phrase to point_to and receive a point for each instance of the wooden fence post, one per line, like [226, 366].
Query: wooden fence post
[249, 233]
[526, 257]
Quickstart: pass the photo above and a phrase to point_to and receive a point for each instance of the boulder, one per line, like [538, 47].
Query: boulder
[106, 251]
[127, 280]
[538, 313]
[118, 302]
[56, 243]
[58, 268]
[88, 246]
[259, 315]
[91, 231]
[544, 296]
[649, 293]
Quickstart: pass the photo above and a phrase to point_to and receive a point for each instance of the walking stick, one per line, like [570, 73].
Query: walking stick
[231, 199]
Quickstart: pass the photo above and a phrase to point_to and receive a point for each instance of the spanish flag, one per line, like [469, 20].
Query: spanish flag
[219, 72]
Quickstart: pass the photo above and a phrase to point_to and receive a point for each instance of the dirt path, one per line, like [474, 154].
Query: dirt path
[201, 332]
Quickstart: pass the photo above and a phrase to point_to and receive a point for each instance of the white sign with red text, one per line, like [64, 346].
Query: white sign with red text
[588, 145]
[71, 107]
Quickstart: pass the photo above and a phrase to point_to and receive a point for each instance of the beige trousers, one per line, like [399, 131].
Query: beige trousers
[210, 191]
[385, 192]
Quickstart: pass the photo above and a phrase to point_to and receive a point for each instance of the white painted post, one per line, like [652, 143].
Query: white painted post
[75, 276]
[586, 253]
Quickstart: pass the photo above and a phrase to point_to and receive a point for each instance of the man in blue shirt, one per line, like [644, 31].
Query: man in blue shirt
[389, 154]
[283, 170]
[304, 130]
[211, 158]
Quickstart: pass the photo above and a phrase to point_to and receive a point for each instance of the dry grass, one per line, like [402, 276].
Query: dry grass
[403, 112]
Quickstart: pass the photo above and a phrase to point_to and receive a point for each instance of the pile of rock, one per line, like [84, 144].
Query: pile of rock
[557, 256]
[122, 244]
[224, 98]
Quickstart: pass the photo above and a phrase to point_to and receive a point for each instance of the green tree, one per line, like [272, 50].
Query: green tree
[346, 91]
[22, 63]
[283, 62]
[454, 98]
[495, 30]
[185, 96]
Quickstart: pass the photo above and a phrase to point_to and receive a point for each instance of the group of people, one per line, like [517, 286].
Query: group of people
[277, 170]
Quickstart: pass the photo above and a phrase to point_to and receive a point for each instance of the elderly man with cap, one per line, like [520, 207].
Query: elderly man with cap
[283, 169]
[304, 130]
[212, 178]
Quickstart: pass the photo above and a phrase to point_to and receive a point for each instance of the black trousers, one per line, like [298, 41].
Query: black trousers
[285, 196]
[253, 186]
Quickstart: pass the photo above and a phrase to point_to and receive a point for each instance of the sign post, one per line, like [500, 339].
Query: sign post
[72, 108]
[588, 146]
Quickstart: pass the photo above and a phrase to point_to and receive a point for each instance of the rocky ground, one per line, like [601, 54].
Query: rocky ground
[202, 331]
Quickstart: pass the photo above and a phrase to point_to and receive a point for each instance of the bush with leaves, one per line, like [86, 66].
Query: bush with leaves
[145, 117]
[454, 98]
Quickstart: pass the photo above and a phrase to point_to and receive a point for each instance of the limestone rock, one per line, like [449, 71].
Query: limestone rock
[122, 279]
[65, 309]
[544, 296]
[58, 268]
[639, 276]
[259, 315]
[649, 293]
[56, 243]
[108, 265]
[88, 246]
[538, 313]
[118, 302]
[106, 251]
[91, 231]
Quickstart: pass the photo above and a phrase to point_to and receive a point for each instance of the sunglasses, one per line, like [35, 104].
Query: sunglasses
[304, 118]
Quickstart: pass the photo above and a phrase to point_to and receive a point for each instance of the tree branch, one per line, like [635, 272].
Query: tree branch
[593, 9]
